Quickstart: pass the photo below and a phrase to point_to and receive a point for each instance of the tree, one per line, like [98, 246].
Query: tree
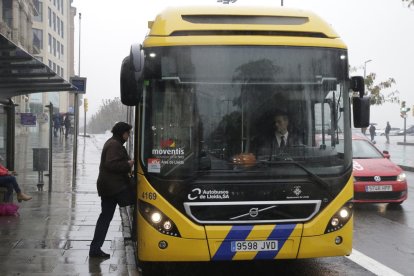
[376, 90]
[376, 93]
[110, 112]
[410, 3]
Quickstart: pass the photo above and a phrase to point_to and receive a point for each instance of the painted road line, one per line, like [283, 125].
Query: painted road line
[372, 265]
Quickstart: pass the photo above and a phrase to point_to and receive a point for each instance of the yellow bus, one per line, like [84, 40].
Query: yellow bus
[207, 84]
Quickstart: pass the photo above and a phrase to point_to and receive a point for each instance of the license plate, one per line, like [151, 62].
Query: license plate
[246, 246]
[378, 188]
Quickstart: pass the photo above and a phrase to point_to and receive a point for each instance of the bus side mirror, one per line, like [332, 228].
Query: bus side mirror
[357, 85]
[361, 110]
[132, 76]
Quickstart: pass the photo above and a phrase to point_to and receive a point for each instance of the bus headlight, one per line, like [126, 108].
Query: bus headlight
[344, 213]
[157, 219]
[340, 218]
[401, 177]
[167, 225]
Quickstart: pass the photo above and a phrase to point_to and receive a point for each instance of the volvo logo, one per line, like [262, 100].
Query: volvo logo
[254, 212]
[377, 178]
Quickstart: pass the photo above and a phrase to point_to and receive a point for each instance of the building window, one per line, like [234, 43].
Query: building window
[49, 46]
[61, 71]
[54, 21]
[50, 64]
[49, 17]
[61, 50]
[61, 5]
[7, 13]
[39, 8]
[58, 25]
[61, 28]
[58, 49]
[54, 67]
[38, 38]
[54, 46]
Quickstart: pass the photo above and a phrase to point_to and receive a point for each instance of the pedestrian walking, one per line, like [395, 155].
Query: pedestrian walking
[56, 124]
[62, 125]
[112, 184]
[67, 125]
[387, 132]
[372, 132]
[364, 130]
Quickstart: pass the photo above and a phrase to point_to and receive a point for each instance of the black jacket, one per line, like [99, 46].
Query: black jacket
[269, 148]
[114, 168]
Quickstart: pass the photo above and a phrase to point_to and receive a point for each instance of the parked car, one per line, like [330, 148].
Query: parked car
[409, 131]
[394, 131]
[376, 178]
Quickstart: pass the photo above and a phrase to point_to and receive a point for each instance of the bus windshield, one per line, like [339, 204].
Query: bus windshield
[214, 110]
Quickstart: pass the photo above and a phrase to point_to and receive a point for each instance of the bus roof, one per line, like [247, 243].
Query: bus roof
[230, 20]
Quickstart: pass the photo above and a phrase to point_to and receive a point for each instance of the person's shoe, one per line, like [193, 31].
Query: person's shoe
[23, 196]
[99, 254]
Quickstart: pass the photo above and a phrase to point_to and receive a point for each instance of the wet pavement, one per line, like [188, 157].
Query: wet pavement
[53, 232]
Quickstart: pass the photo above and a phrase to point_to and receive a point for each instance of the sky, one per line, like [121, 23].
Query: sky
[378, 30]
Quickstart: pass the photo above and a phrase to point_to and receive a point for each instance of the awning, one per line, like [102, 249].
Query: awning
[21, 73]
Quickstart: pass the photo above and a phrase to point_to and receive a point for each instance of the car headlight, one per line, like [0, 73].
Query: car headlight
[401, 177]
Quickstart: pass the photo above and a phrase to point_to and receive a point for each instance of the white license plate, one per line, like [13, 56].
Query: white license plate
[378, 188]
[246, 246]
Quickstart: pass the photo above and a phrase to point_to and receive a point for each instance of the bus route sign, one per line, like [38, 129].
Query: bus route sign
[79, 83]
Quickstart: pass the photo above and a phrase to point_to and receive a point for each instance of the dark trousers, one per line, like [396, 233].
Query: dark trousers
[10, 183]
[108, 205]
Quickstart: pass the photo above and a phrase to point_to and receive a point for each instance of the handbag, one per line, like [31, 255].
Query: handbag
[8, 209]
[128, 196]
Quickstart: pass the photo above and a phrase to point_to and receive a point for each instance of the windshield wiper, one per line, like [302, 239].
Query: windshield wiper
[322, 183]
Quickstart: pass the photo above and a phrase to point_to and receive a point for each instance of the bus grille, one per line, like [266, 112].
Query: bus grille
[240, 212]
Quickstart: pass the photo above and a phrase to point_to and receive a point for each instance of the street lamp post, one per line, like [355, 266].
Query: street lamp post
[365, 67]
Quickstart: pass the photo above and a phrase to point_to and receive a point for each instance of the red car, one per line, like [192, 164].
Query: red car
[376, 178]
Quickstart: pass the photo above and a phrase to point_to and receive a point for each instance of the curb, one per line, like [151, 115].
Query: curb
[130, 245]
[405, 143]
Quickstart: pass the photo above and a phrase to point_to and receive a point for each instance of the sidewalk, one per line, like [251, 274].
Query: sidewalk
[54, 230]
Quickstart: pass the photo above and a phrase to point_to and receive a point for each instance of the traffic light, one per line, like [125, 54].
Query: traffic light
[404, 110]
[85, 104]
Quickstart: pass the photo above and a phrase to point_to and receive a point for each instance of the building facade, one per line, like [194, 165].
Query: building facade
[36, 55]
[16, 19]
[45, 29]
[53, 45]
